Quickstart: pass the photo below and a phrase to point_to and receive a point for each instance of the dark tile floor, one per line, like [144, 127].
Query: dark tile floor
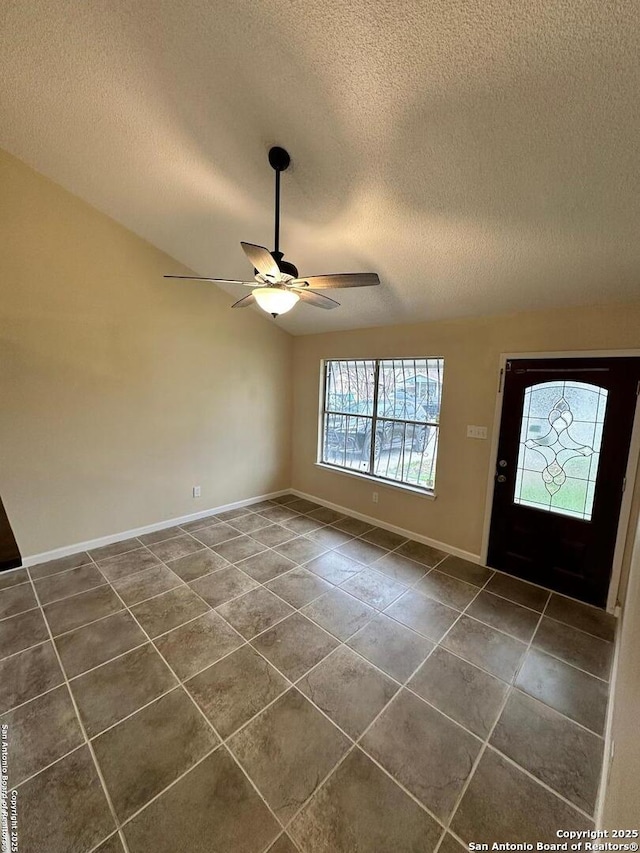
[282, 678]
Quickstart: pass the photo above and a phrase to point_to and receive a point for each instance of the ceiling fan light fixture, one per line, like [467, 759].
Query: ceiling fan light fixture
[274, 300]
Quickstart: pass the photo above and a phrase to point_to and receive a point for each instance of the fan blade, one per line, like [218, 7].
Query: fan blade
[344, 279]
[217, 280]
[316, 299]
[245, 301]
[262, 261]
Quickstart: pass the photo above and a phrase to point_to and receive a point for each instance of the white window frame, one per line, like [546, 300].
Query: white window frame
[369, 474]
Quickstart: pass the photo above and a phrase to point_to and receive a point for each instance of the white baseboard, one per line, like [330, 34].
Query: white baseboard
[608, 731]
[67, 550]
[410, 534]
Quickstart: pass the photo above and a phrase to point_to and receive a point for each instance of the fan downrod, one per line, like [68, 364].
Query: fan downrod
[279, 159]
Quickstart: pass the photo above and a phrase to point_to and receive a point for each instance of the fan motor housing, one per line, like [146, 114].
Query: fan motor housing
[284, 266]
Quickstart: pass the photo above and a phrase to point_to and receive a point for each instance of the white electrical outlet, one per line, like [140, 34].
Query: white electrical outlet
[196, 491]
[476, 432]
[374, 497]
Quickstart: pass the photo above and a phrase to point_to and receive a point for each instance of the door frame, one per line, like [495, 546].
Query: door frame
[632, 462]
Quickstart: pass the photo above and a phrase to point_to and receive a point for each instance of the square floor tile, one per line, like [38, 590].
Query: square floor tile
[273, 535]
[284, 499]
[173, 549]
[164, 612]
[504, 615]
[460, 690]
[197, 644]
[339, 613]
[447, 590]
[115, 549]
[330, 537]
[502, 802]
[86, 607]
[71, 791]
[254, 612]
[222, 586]
[146, 584]
[583, 616]
[216, 534]
[98, 642]
[353, 526]
[266, 566]
[52, 567]
[160, 535]
[384, 538]
[13, 578]
[325, 515]
[575, 694]
[299, 586]
[302, 524]
[424, 615]
[301, 549]
[489, 649]
[364, 552]
[212, 808]
[526, 594]
[40, 732]
[575, 647]
[295, 645]
[199, 523]
[22, 631]
[465, 570]
[113, 691]
[374, 589]
[560, 753]
[390, 646]
[230, 514]
[197, 565]
[426, 752]
[249, 523]
[361, 809]
[334, 567]
[239, 549]
[235, 689]
[279, 514]
[27, 674]
[348, 689]
[287, 751]
[68, 583]
[421, 553]
[16, 599]
[127, 564]
[400, 568]
[303, 505]
[146, 752]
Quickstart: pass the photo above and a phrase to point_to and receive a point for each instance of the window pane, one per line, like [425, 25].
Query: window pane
[406, 453]
[410, 389]
[349, 387]
[559, 451]
[347, 441]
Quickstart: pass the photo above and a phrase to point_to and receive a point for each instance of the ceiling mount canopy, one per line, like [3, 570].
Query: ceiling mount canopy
[279, 286]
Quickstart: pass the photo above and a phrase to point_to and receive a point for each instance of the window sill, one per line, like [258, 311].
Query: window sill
[403, 487]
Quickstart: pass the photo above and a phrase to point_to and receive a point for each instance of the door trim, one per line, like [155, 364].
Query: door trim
[632, 462]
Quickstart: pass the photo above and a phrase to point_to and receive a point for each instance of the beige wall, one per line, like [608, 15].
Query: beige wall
[471, 350]
[622, 794]
[121, 390]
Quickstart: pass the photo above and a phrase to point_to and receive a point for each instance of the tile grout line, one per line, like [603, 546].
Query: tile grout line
[83, 730]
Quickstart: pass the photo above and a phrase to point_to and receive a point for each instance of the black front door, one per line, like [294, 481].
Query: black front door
[562, 454]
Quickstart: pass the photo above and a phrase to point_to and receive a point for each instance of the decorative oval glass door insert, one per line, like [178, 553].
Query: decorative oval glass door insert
[559, 449]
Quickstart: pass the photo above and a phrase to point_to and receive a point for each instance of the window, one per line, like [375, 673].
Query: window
[381, 418]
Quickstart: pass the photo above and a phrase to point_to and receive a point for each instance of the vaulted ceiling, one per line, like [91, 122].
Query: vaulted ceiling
[480, 155]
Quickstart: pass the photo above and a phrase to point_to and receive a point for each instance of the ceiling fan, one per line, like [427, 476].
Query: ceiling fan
[279, 285]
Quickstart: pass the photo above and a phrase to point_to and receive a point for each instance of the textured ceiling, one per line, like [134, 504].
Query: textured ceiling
[480, 155]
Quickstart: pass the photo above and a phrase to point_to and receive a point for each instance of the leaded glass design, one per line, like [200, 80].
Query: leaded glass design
[559, 450]
[381, 417]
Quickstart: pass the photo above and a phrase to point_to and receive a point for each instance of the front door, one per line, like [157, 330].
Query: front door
[562, 454]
